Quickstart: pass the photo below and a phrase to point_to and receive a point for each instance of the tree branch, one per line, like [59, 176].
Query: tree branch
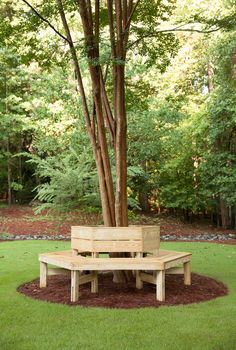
[90, 14]
[77, 68]
[177, 29]
[46, 21]
[130, 11]
[111, 27]
[131, 14]
[69, 40]
[125, 13]
[97, 24]
[119, 42]
[108, 111]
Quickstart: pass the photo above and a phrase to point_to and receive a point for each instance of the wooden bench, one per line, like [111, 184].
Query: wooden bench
[88, 243]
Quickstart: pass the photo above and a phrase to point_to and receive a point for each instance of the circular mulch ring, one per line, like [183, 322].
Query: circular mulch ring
[115, 295]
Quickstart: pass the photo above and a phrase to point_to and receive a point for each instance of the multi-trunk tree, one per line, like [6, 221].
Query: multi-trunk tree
[113, 31]
[107, 37]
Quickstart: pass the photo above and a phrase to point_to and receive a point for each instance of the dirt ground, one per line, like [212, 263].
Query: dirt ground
[21, 220]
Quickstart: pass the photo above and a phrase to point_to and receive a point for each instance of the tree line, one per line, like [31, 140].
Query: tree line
[119, 71]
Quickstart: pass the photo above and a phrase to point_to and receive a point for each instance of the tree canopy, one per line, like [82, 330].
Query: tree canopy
[83, 83]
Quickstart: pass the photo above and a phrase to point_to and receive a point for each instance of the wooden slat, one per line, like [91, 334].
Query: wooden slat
[117, 246]
[176, 261]
[154, 252]
[151, 238]
[106, 233]
[106, 246]
[175, 271]
[151, 233]
[116, 239]
[83, 232]
[87, 278]
[62, 261]
[172, 254]
[82, 245]
[58, 271]
[107, 236]
[57, 253]
[148, 263]
[146, 277]
[87, 263]
[82, 279]
[150, 245]
[117, 264]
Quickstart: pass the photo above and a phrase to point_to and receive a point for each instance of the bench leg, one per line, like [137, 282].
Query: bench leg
[187, 273]
[94, 283]
[43, 274]
[160, 285]
[139, 282]
[74, 286]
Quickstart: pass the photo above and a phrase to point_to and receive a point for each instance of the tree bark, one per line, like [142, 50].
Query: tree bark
[234, 217]
[120, 151]
[143, 201]
[96, 130]
[114, 203]
[9, 192]
[210, 73]
[224, 212]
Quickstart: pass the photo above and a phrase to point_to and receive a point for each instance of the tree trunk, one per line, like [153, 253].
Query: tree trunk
[143, 196]
[235, 217]
[9, 192]
[210, 73]
[114, 205]
[224, 212]
[120, 152]
[143, 201]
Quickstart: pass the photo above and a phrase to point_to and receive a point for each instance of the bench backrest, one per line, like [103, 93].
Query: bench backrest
[131, 239]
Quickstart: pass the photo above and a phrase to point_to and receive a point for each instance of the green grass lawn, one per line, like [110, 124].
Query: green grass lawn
[29, 324]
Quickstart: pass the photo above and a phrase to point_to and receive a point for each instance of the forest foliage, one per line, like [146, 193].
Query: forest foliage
[181, 110]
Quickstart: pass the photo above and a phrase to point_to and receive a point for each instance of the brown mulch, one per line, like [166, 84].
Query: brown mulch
[113, 295]
[21, 220]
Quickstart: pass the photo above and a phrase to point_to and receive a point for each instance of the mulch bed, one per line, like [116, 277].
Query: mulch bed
[21, 220]
[115, 295]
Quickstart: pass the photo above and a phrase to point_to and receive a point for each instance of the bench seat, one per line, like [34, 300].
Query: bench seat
[65, 259]
[165, 262]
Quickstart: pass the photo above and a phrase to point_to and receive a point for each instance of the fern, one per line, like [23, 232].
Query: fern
[68, 181]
